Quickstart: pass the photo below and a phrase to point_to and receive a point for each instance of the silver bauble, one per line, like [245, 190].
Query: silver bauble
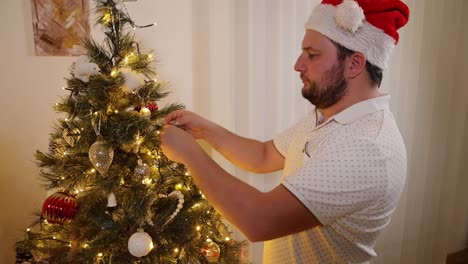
[142, 170]
[101, 156]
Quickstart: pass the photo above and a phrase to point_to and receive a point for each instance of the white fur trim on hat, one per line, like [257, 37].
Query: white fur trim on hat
[371, 41]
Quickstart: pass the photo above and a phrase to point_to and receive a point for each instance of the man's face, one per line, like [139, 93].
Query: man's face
[322, 73]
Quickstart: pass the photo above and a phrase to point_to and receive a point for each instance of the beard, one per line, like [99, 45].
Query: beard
[333, 89]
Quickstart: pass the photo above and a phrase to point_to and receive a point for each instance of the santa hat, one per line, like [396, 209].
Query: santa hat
[367, 26]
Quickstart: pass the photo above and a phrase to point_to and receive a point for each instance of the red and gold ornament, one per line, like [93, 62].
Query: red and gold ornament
[211, 251]
[60, 208]
[151, 105]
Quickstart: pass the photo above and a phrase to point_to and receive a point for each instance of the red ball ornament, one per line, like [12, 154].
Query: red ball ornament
[60, 208]
[152, 106]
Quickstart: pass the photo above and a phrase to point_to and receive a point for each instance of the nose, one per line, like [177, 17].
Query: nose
[299, 66]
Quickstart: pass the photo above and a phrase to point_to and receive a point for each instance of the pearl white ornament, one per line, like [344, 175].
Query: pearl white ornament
[180, 205]
[140, 243]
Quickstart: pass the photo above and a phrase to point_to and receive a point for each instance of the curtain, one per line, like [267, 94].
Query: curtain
[243, 79]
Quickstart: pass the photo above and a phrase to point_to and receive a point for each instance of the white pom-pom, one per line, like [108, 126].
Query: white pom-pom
[133, 80]
[349, 15]
[140, 244]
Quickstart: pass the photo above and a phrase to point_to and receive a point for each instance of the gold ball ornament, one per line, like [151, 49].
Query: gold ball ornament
[140, 243]
[145, 112]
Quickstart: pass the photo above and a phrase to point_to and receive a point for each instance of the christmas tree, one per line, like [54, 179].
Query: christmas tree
[116, 197]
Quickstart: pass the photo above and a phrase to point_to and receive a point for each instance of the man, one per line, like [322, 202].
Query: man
[344, 165]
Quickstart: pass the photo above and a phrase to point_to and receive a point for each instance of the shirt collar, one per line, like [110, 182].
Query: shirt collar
[361, 109]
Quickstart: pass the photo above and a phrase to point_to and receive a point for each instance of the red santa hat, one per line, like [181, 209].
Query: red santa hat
[367, 26]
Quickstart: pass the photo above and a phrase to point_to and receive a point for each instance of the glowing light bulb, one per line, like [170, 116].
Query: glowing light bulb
[100, 254]
[178, 186]
[85, 245]
[114, 73]
[227, 239]
[147, 181]
[54, 237]
[198, 228]
[29, 229]
[176, 250]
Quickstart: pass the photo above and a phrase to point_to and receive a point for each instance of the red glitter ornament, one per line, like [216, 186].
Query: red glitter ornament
[152, 106]
[60, 208]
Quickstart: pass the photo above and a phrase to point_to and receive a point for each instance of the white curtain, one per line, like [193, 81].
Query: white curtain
[243, 78]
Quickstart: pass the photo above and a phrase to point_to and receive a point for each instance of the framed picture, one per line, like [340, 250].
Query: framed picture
[59, 26]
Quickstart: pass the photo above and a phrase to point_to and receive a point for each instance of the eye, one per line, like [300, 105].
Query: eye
[311, 56]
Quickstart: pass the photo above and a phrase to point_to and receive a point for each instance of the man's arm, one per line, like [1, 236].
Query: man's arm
[260, 216]
[248, 154]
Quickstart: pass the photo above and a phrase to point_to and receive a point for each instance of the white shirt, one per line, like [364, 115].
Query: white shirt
[349, 172]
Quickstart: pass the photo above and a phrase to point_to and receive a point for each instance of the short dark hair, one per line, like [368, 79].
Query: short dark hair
[375, 73]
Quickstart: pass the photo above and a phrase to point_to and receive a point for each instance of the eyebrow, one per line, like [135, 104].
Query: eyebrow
[310, 49]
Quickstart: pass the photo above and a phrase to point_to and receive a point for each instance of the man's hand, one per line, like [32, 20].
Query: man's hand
[178, 145]
[192, 123]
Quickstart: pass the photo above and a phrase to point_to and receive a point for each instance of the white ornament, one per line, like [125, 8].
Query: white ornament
[140, 243]
[349, 16]
[83, 68]
[133, 80]
[111, 200]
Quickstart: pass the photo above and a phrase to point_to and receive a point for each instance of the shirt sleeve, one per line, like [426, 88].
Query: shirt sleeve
[340, 178]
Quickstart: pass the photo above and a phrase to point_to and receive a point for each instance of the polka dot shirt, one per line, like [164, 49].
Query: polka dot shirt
[349, 172]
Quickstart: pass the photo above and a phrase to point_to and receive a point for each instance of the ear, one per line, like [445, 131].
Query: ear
[355, 65]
